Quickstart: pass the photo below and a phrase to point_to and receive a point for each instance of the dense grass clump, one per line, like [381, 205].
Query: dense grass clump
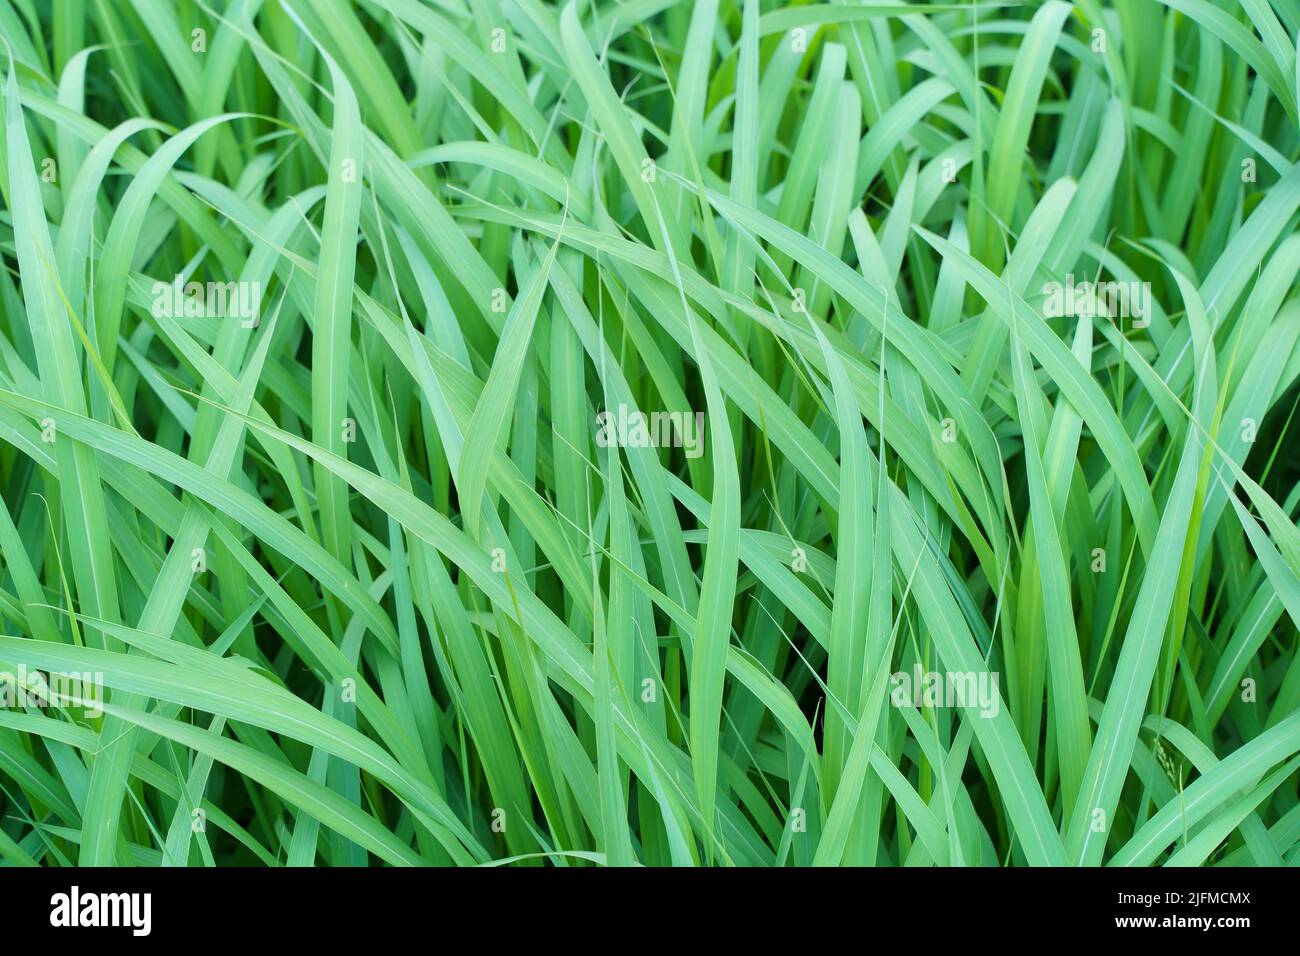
[661, 432]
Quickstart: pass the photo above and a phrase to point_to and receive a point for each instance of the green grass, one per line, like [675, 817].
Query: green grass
[364, 581]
